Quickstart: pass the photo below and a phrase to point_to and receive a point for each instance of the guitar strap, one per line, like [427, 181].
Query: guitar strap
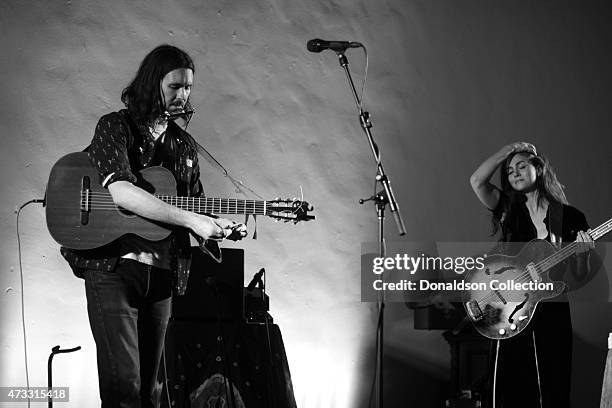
[238, 184]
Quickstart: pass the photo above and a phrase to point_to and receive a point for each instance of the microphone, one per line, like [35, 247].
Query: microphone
[180, 114]
[318, 45]
[256, 279]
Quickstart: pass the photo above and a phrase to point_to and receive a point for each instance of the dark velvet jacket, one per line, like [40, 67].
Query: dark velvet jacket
[562, 223]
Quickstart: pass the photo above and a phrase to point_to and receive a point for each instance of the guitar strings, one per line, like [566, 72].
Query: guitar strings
[101, 198]
[540, 268]
[553, 259]
[104, 201]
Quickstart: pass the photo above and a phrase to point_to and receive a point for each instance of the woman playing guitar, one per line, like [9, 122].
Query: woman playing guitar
[532, 369]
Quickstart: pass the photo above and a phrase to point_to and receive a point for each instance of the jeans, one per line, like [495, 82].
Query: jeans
[129, 309]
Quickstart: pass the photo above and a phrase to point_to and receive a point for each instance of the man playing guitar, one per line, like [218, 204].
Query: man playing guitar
[129, 282]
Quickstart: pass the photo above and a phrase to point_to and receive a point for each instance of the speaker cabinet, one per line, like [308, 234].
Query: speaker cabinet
[215, 290]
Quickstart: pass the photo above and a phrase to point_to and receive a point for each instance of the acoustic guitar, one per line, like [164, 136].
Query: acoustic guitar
[81, 213]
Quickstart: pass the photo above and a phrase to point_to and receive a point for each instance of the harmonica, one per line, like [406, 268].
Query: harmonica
[185, 114]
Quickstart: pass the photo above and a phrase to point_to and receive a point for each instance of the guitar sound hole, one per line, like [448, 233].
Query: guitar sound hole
[517, 308]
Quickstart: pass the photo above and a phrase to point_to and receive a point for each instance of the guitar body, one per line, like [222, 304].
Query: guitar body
[500, 312]
[77, 222]
[81, 213]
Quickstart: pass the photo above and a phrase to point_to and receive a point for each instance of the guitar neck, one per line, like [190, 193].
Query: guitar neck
[570, 249]
[206, 205]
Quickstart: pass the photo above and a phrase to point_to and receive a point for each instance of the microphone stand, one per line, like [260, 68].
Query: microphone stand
[381, 200]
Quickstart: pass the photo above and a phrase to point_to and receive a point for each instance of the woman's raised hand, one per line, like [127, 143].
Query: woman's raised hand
[520, 147]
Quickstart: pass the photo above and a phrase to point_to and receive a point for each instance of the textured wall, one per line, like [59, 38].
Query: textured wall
[449, 82]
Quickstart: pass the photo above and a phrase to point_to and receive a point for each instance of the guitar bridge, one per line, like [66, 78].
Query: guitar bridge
[85, 200]
[473, 310]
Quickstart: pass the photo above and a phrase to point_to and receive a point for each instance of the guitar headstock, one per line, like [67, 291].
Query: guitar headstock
[289, 210]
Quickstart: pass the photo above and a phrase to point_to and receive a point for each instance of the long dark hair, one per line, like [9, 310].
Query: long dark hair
[547, 186]
[142, 97]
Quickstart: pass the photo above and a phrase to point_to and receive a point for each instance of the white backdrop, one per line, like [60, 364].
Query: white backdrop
[449, 82]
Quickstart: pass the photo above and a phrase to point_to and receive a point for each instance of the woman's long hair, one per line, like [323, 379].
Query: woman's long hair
[547, 186]
[142, 97]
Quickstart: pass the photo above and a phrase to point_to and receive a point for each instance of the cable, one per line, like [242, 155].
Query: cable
[238, 184]
[535, 353]
[495, 374]
[23, 325]
[372, 388]
[272, 398]
[166, 375]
